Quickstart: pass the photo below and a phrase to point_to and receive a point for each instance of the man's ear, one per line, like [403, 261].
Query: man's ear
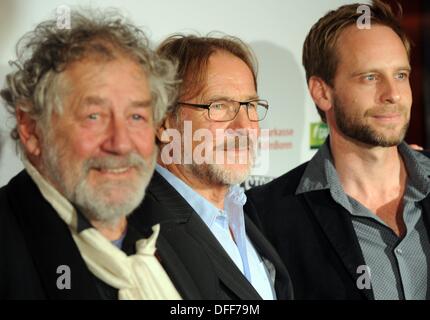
[167, 123]
[321, 93]
[27, 132]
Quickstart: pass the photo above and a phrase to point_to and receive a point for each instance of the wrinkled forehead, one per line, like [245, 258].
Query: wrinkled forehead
[228, 76]
[90, 81]
[218, 66]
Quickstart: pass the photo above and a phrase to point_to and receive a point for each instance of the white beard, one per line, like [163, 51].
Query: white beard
[94, 202]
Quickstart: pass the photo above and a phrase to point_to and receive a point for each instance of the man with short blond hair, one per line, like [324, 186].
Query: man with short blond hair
[353, 223]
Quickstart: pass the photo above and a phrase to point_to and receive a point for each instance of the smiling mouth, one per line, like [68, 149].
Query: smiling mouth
[114, 170]
[388, 117]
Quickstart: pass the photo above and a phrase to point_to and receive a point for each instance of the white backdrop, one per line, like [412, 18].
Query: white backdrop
[275, 29]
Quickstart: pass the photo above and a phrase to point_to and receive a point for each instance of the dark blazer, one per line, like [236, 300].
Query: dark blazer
[34, 241]
[314, 237]
[216, 275]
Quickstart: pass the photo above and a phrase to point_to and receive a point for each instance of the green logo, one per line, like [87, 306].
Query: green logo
[319, 132]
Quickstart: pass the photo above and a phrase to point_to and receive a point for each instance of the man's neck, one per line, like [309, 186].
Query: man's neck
[374, 176]
[364, 168]
[112, 230]
[214, 193]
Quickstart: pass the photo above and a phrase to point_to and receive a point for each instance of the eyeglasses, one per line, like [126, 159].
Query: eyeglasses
[227, 110]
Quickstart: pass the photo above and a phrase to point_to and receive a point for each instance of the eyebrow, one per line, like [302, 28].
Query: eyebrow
[221, 97]
[98, 101]
[95, 100]
[141, 103]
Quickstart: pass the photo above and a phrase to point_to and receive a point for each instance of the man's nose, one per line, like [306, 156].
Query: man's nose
[118, 139]
[242, 119]
[391, 93]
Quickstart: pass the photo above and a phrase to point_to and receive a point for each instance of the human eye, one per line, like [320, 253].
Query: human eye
[252, 104]
[402, 75]
[370, 77]
[91, 113]
[219, 105]
[140, 118]
[94, 119]
[93, 116]
[137, 117]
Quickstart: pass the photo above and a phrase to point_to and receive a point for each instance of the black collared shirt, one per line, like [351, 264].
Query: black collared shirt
[399, 267]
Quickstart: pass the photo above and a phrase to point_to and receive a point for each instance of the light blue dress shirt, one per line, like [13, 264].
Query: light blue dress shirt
[221, 222]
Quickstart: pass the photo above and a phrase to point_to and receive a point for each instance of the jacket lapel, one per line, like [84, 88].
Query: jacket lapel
[337, 226]
[277, 271]
[426, 213]
[151, 213]
[225, 268]
[178, 208]
[49, 242]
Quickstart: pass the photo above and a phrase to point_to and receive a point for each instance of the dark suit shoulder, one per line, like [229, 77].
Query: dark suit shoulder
[5, 217]
[18, 276]
[8, 222]
[4, 205]
[193, 243]
[279, 187]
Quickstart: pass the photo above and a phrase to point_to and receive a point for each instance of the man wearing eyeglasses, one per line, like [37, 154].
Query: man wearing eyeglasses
[216, 116]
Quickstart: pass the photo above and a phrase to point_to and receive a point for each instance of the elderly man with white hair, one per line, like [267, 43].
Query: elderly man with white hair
[86, 101]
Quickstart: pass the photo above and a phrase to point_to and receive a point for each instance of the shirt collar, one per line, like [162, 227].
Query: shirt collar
[321, 174]
[317, 172]
[205, 209]
[418, 167]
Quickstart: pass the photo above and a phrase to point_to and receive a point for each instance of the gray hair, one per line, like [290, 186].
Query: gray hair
[44, 53]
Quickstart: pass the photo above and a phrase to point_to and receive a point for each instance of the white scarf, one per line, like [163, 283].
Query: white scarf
[137, 277]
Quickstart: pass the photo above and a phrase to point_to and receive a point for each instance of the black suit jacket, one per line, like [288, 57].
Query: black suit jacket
[216, 275]
[314, 237]
[34, 241]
